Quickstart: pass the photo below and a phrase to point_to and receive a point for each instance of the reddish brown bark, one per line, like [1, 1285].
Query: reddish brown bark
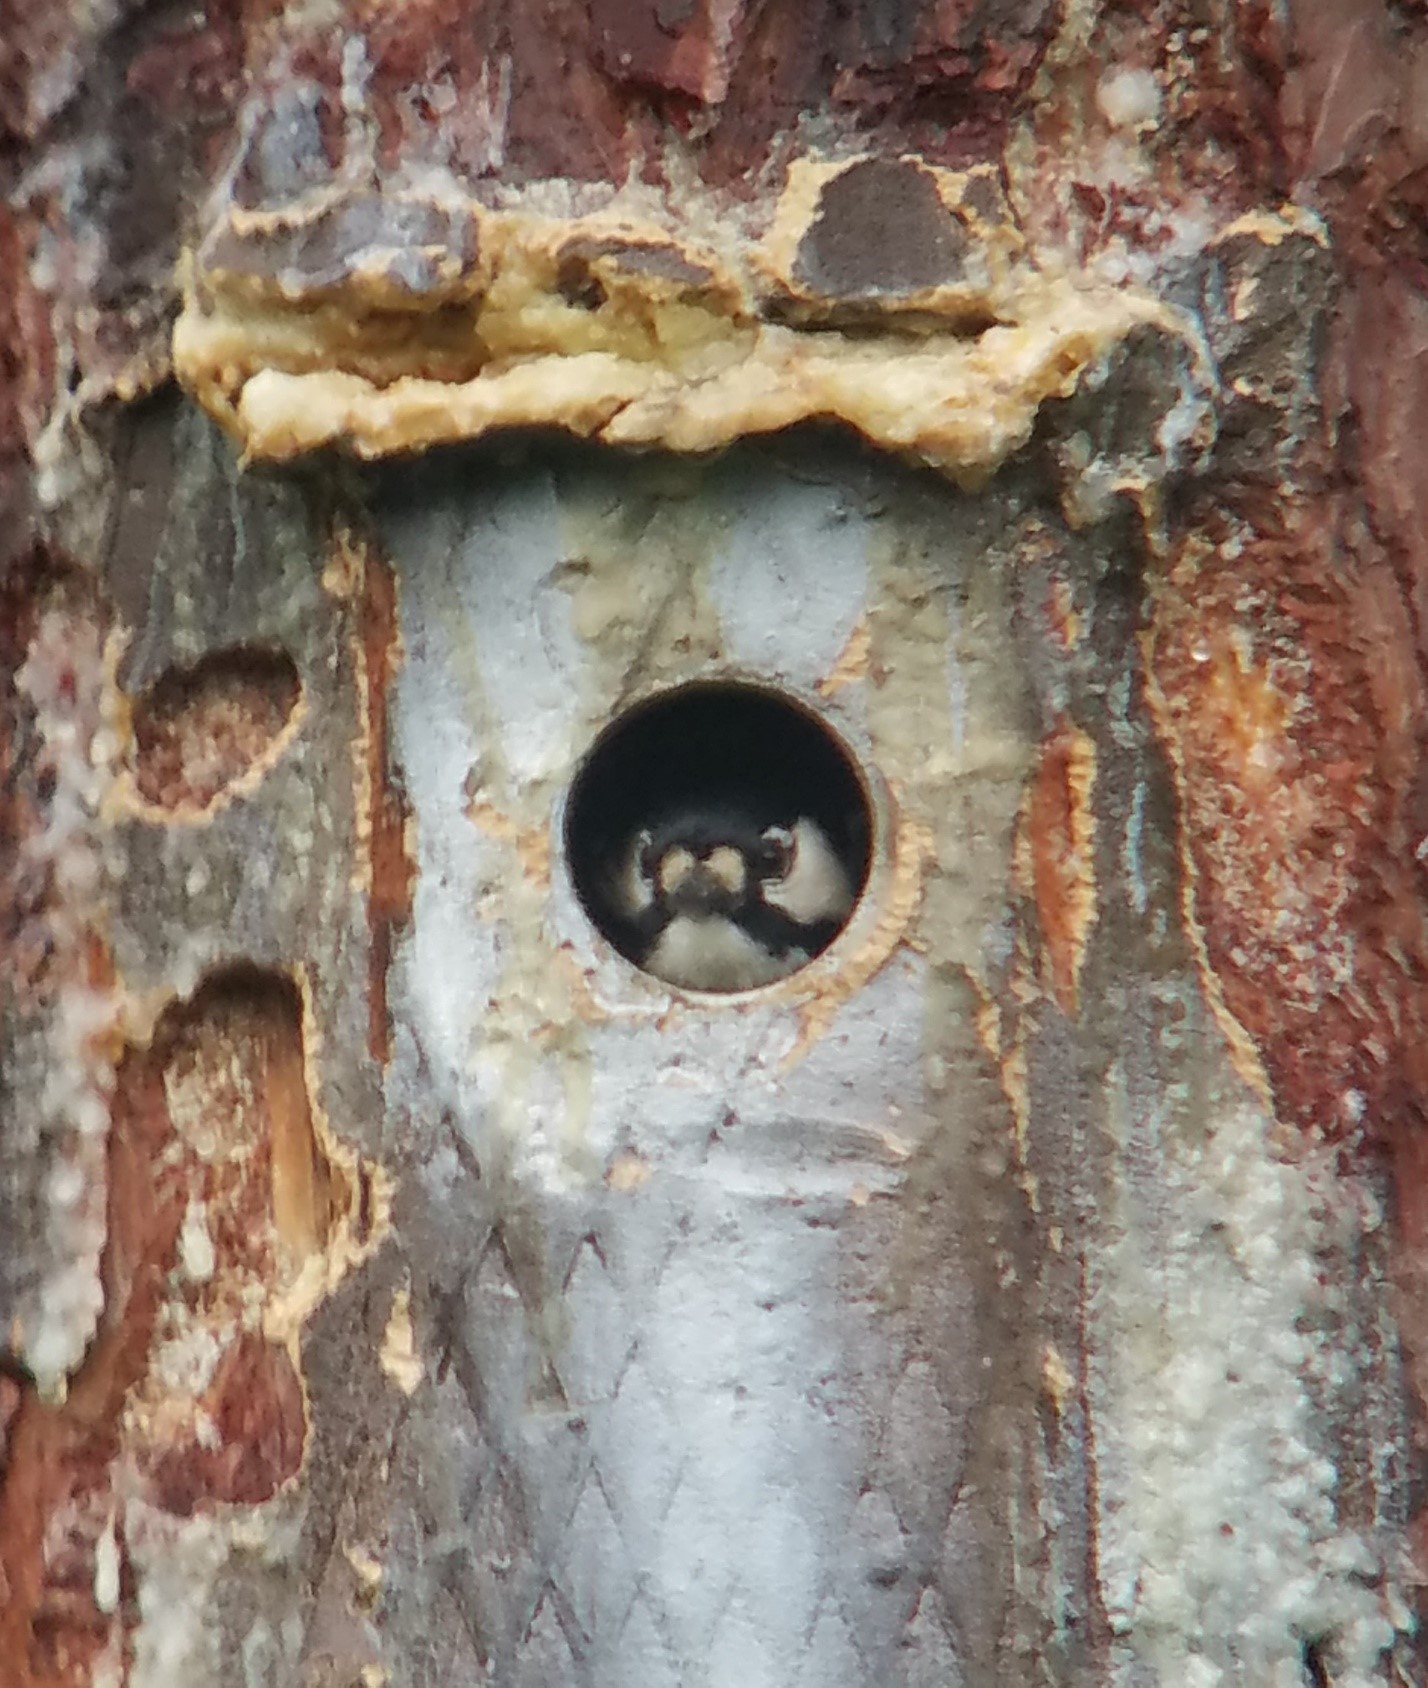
[1286, 627]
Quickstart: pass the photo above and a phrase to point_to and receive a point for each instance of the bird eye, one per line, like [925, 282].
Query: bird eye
[776, 852]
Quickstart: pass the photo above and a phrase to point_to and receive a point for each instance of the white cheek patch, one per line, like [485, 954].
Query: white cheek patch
[816, 886]
[725, 866]
[715, 955]
[632, 892]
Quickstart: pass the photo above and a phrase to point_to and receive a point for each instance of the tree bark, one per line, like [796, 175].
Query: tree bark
[400, 1285]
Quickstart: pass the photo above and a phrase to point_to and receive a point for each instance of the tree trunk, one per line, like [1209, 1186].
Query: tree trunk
[429, 440]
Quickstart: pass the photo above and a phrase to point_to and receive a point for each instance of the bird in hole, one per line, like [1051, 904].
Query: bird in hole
[711, 900]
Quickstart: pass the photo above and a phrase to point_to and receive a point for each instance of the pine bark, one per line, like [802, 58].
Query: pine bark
[323, 1365]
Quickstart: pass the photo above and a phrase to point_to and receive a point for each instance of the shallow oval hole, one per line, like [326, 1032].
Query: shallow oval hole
[719, 835]
[199, 730]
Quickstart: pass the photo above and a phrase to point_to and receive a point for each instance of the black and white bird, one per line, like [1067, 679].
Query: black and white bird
[710, 901]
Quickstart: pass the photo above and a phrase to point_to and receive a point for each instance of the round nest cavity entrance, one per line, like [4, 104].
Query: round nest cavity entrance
[719, 835]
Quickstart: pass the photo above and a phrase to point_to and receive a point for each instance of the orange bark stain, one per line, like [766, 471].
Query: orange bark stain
[1284, 690]
[210, 1125]
[389, 871]
[1058, 843]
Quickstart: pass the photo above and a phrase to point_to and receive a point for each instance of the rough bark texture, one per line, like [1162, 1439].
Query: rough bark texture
[399, 1287]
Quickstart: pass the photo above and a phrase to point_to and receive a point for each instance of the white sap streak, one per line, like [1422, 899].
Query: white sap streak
[778, 614]
[449, 961]
[1219, 1545]
[496, 568]
[731, 1391]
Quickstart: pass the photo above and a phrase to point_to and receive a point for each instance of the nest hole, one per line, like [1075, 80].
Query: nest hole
[717, 752]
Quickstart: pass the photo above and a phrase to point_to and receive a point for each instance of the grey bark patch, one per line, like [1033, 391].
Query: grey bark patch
[882, 229]
[418, 243]
[666, 262]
